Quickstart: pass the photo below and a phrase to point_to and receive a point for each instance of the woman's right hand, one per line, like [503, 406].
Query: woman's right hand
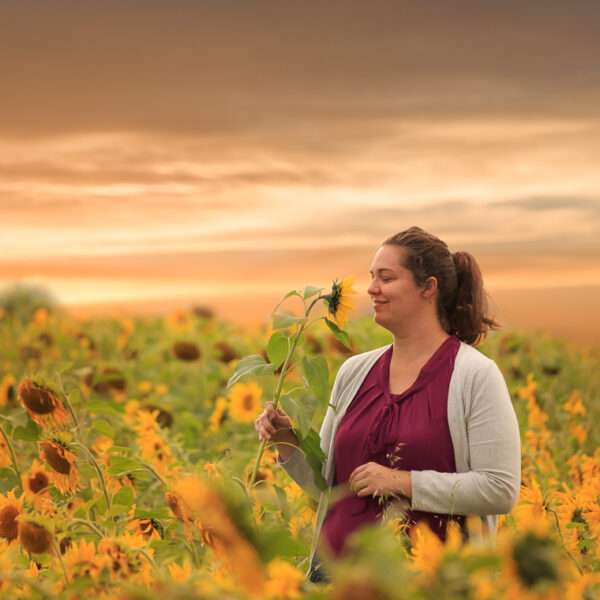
[272, 424]
[275, 426]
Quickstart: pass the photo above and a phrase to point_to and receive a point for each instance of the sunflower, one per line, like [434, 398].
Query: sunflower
[7, 389]
[36, 482]
[217, 416]
[5, 459]
[147, 527]
[284, 579]
[61, 460]
[41, 403]
[245, 402]
[35, 538]
[82, 560]
[10, 509]
[226, 539]
[338, 301]
[186, 351]
[179, 573]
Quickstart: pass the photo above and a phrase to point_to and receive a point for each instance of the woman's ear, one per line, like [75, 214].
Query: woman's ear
[429, 289]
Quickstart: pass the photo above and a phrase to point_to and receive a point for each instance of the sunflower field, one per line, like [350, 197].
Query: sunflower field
[130, 467]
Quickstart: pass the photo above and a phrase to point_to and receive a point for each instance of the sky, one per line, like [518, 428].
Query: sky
[159, 153]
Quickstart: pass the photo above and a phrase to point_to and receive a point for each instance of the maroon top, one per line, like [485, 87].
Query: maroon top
[407, 431]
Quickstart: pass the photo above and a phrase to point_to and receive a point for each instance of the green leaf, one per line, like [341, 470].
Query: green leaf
[288, 295]
[101, 407]
[21, 561]
[124, 496]
[278, 348]
[65, 367]
[120, 465]
[279, 543]
[160, 545]
[317, 375]
[74, 396]
[140, 513]
[254, 364]
[283, 503]
[289, 406]
[5, 472]
[18, 417]
[310, 291]
[284, 319]
[114, 449]
[103, 427]
[80, 583]
[117, 510]
[339, 333]
[298, 412]
[311, 445]
[87, 471]
[304, 418]
[31, 433]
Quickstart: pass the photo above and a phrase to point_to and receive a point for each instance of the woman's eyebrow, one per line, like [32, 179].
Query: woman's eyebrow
[381, 269]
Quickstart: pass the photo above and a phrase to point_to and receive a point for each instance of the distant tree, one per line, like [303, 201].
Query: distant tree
[23, 299]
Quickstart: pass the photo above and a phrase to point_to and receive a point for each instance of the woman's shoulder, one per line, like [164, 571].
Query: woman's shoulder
[472, 365]
[358, 362]
[470, 358]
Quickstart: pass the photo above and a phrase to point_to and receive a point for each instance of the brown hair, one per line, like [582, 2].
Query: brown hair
[462, 302]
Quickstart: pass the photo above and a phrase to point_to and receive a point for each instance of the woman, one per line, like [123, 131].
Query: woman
[428, 418]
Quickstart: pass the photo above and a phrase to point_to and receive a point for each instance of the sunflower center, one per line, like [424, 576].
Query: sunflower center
[34, 537]
[9, 528]
[38, 400]
[55, 460]
[38, 482]
[248, 402]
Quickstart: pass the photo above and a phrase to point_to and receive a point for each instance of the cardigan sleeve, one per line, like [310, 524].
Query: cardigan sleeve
[296, 466]
[492, 484]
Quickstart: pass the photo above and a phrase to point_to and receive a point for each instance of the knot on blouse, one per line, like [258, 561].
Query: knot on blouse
[382, 438]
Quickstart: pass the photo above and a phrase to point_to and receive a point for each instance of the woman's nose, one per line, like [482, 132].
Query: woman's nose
[373, 288]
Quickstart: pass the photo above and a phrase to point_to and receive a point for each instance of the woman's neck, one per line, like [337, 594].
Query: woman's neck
[419, 342]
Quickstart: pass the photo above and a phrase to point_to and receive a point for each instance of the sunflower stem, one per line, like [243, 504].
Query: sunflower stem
[60, 560]
[153, 471]
[98, 470]
[89, 524]
[562, 539]
[282, 375]
[71, 411]
[194, 554]
[13, 457]
[147, 556]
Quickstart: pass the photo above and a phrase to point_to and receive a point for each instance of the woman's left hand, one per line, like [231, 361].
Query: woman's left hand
[377, 480]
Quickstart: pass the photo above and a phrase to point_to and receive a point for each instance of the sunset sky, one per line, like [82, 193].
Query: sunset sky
[158, 153]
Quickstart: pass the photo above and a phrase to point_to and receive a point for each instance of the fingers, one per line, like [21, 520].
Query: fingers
[360, 470]
[270, 421]
[264, 427]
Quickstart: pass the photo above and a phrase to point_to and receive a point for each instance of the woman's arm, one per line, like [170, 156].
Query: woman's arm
[296, 465]
[492, 485]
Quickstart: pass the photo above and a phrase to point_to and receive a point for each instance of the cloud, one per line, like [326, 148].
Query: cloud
[190, 68]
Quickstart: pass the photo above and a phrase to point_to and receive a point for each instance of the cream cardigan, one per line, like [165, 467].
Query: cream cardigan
[484, 432]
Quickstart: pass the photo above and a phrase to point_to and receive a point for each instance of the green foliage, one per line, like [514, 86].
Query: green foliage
[21, 300]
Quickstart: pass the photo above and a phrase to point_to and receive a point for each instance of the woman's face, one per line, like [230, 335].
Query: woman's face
[397, 300]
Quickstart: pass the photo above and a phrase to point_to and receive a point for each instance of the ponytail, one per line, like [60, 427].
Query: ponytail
[468, 317]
